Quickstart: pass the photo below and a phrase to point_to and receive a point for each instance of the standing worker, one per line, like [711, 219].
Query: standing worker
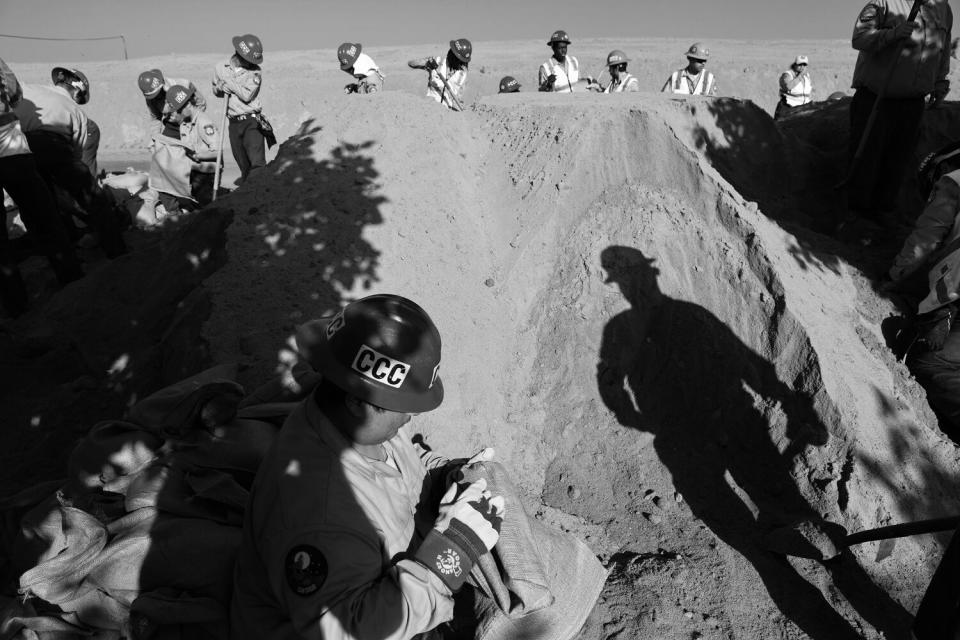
[561, 72]
[19, 177]
[239, 80]
[796, 89]
[693, 79]
[358, 64]
[620, 80]
[901, 63]
[81, 95]
[56, 129]
[447, 77]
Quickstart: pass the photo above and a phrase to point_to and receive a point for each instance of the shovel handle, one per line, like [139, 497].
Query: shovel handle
[903, 530]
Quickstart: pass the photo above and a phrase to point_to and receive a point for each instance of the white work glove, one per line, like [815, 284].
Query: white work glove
[468, 527]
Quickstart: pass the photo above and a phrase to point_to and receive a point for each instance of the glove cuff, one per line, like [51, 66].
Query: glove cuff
[442, 554]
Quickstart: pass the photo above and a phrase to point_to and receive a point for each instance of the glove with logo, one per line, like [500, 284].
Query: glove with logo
[468, 527]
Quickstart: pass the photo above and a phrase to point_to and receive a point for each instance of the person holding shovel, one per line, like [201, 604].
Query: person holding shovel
[904, 59]
[239, 80]
[448, 76]
[561, 72]
[367, 75]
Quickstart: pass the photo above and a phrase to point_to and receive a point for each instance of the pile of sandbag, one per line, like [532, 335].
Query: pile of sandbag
[139, 540]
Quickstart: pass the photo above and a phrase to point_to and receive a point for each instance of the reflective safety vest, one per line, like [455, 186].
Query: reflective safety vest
[620, 87]
[680, 83]
[801, 94]
[568, 73]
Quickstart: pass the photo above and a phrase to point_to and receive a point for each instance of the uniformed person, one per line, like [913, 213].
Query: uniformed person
[796, 88]
[19, 178]
[76, 79]
[907, 62]
[57, 129]
[239, 80]
[693, 79]
[358, 64]
[341, 539]
[561, 72]
[447, 76]
[620, 80]
[200, 139]
[509, 84]
[154, 85]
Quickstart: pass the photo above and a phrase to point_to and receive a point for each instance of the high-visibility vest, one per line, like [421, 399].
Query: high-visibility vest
[801, 94]
[624, 81]
[679, 83]
[568, 73]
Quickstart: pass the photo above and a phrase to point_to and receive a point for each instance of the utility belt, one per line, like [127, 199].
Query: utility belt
[245, 116]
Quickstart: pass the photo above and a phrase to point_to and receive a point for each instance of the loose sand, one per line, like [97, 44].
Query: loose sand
[637, 309]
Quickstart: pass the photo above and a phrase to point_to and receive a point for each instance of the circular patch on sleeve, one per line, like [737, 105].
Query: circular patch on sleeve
[869, 13]
[256, 78]
[209, 130]
[306, 569]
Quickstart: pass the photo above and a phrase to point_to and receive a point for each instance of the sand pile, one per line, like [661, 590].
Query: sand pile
[634, 314]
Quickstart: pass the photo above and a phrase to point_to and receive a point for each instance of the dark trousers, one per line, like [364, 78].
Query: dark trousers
[176, 205]
[782, 109]
[61, 167]
[875, 184]
[201, 187]
[38, 211]
[248, 144]
[938, 372]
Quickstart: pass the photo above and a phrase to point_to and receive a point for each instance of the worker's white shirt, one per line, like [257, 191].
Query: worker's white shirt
[51, 109]
[800, 94]
[626, 83]
[365, 65]
[351, 522]
[683, 83]
[12, 140]
[455, 79]
[568, 73]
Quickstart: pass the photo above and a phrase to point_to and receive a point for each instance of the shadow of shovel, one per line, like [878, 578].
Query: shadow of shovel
[825, 540]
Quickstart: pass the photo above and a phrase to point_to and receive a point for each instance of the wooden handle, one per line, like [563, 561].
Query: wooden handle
[902, 530]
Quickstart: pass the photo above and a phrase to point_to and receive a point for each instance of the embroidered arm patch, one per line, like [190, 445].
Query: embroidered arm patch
[305, 569]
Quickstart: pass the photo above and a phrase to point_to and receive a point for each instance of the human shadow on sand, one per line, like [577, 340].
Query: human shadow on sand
[673, 369]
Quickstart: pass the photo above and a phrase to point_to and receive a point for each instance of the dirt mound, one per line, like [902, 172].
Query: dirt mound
[634, 314]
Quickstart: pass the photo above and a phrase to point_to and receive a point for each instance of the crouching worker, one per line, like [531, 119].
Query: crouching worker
[201, 140]
[184, 155]
[927, 270]
[365, 71]
[336, 541]
[353, 531]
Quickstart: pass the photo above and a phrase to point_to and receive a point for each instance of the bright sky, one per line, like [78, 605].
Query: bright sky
[186, 26]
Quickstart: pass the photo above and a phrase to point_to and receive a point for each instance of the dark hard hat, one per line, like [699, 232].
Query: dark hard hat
[509, 84]
[383, 349]
[462, 49]
[347, 54]
[150, 82]
[249, 48]
[617, 57]
[558, 36]
[698, 52]
[179, 95]
[75, 78]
